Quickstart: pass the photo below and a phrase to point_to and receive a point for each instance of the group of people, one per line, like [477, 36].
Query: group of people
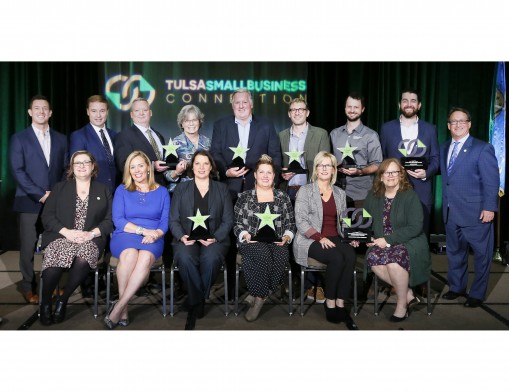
[87, 214]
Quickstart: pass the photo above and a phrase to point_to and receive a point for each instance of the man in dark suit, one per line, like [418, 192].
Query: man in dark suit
[470, 182]
[256, 134]
[140, 136]
[97, 139]
[403, 133]
[38, 156]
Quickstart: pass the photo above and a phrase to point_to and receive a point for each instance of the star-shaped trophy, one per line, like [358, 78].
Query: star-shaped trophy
[348, 157]
[239, 156]
[294, 165]
[172, 159]
[200, 230]
[413, 158]
[266, 231]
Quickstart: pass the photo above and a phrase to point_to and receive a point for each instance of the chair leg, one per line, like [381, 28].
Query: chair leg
[172, 289]
[429, 296]
[355, 309]
[96, 290]
[163, 281]
[302, 274]
[375, 283]
[237, 271]
[108, 287]
[225, 277]
[290, 295]
[40, 295]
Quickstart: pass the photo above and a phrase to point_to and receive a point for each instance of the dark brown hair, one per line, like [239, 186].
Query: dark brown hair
[205, 153]
[70, 169]
[378, 185]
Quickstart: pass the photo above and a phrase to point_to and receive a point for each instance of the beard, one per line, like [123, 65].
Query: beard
[411, 114]
[353, 117]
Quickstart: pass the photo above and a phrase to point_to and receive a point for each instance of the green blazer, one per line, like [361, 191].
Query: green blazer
[317, 139]
[406, 221]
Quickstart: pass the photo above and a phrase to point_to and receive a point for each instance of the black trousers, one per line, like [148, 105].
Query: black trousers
[340, 266]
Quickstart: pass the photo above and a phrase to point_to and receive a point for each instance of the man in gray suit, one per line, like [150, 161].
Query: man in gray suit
[308, 141]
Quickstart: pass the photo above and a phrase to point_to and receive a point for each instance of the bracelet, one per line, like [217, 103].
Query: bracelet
[139, 230]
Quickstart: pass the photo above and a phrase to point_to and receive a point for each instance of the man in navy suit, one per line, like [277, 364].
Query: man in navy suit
[97, 139]
[141, 137]
[38, 156]
[403, 133]
[470, 182]
[254, 133]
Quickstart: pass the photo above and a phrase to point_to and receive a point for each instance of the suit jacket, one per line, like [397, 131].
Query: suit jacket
[220, 221]
[390, 137]
[473, 183]
[263, 139]
[317, 139]
[60, 209]
[30, 170]
[309, 217]
[406, 221]
[132, 139]
[87, 139]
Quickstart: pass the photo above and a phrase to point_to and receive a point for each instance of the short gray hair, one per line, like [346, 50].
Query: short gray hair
[181, 117]
[243, 90]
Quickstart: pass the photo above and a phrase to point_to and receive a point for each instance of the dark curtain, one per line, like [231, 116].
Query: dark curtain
[442, 85]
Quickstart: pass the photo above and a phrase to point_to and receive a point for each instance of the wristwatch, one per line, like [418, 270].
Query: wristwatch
[388, 245]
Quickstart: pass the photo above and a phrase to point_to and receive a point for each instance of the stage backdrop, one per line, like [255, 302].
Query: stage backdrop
[170, 86]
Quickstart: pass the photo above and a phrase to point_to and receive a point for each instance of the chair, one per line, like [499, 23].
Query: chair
[315, 266]
[174, 269]
[238, 269]
[96, 287]
[158, 266]
[428, 299]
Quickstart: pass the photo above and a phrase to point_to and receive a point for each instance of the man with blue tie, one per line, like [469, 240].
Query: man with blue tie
[97, 139]
[470, 182]
[38, 156]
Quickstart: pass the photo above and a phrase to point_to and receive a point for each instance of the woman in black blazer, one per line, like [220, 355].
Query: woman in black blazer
[199, 260]
[77, 220]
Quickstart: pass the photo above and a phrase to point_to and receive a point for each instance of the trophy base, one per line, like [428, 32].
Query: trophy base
[295, 170]
[357, 235]
[412, 163]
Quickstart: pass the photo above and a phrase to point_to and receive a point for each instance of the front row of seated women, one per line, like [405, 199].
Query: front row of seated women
[78, 219]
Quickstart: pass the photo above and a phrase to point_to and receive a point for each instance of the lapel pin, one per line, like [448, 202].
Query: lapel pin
[98, 198]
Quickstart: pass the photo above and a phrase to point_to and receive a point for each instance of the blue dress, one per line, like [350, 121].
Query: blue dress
[149, 210]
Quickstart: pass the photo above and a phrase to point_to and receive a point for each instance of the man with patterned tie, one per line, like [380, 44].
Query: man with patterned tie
[470, 183]
[38, 156]
[97, 139]
[140, 136]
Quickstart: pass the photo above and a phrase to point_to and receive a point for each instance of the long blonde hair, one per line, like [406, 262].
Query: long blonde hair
[128, 180]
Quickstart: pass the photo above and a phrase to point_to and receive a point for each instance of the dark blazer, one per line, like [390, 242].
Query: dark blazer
[473, 183]
[263, 139]
[132, 139]
[390, 137]
[220, 210]
[30, 170]
[87, 139]
[60, 209]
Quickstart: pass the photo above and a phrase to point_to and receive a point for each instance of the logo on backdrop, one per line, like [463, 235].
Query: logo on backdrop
[123, 90]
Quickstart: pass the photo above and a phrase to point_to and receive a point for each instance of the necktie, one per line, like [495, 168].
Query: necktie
[107, 148]
[154, 145]
[454, 154]
[46, 146]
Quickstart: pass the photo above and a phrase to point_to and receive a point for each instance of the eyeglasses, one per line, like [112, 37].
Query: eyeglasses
[298, 110]
[458, 122]
[192, 121]
[84, 163]
[392, 173]
[326, 166]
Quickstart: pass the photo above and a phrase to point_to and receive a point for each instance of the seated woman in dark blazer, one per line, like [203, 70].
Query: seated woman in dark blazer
[199, 261]
[399, 253]
[318, 209]
[77, 221]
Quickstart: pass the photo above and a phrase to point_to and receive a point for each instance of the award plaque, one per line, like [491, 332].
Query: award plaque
[172, 158]
[357, 225]
[239, 157]
[413, 158]
[266, 231]
[294, 165]
[200, 230]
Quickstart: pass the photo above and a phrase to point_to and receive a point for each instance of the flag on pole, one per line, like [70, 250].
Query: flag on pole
[497, 123]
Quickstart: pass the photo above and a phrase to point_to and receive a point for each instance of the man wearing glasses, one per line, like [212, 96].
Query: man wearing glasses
[38, 156]
[470, 182]
[303, 138]
[402, 134]
[361, 144]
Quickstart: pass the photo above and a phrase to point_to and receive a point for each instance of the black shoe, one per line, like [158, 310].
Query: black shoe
[199, 310]
[45, 316]
[396, 319]
[341, 314]
[331, 314]
[450, 295]
[350, 324]
[107, 321]
[472, 303]
[191, 320]
[59, 314]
